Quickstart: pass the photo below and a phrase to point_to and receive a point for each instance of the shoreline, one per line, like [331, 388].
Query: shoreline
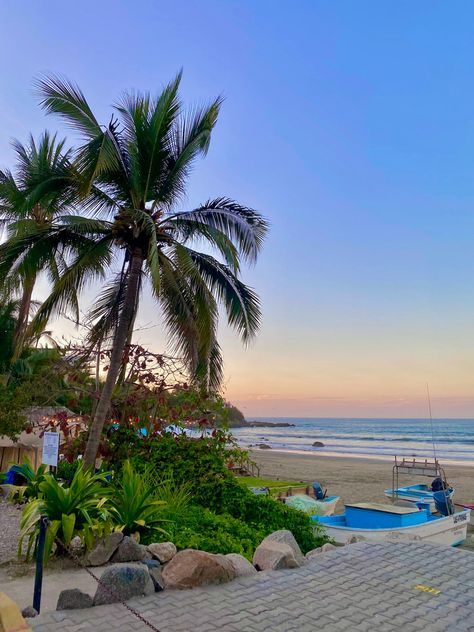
[384, 458]
[353, 478]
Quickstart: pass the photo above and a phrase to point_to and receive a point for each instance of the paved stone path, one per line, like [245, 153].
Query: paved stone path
[361, 587]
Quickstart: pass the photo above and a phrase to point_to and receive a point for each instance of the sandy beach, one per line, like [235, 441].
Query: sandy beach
[353, 479]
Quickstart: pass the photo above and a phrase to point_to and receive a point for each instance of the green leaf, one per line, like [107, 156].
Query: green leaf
[68, 522]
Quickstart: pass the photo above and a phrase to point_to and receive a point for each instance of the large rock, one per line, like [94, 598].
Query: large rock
[286, 537]
[272, 555]
[154, 568]
[313, 553]
[73, 599]
[163, 551]
[318, 444]
[104, 549]
[191, 568]
[242, 566]
[328, 547]
[122, 582]
[129, 551]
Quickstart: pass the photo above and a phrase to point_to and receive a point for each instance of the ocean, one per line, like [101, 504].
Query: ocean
[372, 438]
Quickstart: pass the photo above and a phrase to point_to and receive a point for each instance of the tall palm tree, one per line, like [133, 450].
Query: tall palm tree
[30, 201]
[133, 173]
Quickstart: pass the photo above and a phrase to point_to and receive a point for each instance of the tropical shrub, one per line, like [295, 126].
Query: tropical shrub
[71, 511]
[132, 506]
[201, 464]
[65, 470]
[202, 529]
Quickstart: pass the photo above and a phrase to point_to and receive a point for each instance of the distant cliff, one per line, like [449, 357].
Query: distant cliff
[237, 420]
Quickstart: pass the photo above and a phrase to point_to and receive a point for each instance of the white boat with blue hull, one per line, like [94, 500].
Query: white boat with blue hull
[376, 522]
[416, 493]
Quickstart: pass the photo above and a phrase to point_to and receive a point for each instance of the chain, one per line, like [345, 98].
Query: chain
[75, 558]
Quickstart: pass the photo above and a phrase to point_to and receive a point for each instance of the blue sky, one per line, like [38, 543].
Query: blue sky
[350, 125]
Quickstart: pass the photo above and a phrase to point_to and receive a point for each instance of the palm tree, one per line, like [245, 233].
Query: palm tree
[133, 173]
[8, 322]
[30, 200]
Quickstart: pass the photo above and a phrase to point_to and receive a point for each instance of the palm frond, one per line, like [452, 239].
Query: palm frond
[241, 224]
[104, 315]
[147, 124]
[89, 264]
[186, 230]
[59, 96]
[241, 302]
[190, 138]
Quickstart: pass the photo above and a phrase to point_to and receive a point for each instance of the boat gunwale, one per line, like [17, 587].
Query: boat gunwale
[436, 520]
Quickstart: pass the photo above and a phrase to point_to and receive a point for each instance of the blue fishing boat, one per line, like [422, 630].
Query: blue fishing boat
[413, 494]
[417, 493]
[377, 522]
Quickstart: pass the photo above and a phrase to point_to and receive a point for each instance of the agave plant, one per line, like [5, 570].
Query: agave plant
[69, 510]
[133, 506]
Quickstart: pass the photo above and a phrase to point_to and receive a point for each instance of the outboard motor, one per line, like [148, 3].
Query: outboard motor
[438, 485]
[318, 491]
[443, 503]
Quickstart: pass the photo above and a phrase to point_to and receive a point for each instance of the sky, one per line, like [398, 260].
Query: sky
[350, 126]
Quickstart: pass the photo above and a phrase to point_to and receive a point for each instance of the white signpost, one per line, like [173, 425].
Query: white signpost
[50, 448]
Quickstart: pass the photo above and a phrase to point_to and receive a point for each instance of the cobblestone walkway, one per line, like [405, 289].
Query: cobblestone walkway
[361, 587]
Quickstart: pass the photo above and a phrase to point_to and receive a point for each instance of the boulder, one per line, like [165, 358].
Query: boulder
[318, 444]
[162, 551]
[190, 568]
[272, 555]
[29, 612]
[123, 581]
[264, 446]
[146, 553]
[154, 568]
[314, 553]
[73, 599]
[286, 537]
[104, 549]
[129, 551]
[328, 547]
[242, 566]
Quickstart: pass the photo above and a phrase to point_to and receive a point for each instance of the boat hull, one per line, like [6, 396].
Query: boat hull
[414, 494]
[449, 530]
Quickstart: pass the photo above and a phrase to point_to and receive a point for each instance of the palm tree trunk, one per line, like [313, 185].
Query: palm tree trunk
[23, 314]
[120, 339]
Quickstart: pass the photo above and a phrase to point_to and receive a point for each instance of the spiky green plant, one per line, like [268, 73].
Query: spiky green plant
[69, 509]
[133, 506]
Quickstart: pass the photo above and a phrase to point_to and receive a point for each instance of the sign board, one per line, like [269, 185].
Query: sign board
[50, 448]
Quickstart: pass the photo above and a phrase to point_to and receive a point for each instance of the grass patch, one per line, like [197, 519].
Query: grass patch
[253, 481]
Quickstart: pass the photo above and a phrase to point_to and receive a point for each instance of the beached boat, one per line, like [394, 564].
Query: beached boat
[311, 506]
[416, 493]
[377, 522]
[312, 499]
